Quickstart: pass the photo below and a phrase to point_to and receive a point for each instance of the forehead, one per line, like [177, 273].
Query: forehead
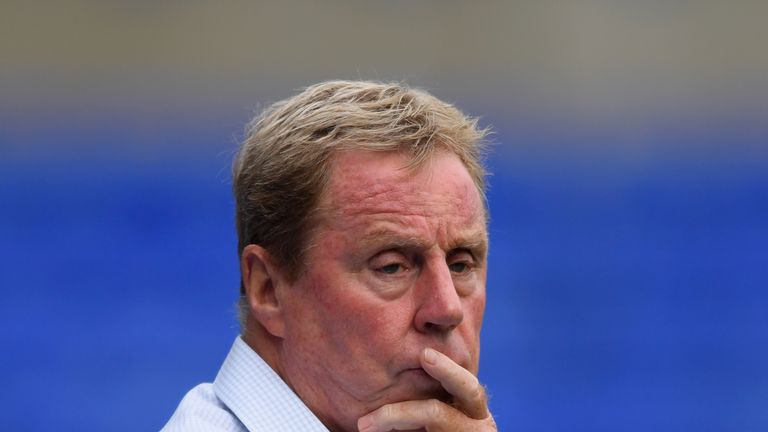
[379, 185]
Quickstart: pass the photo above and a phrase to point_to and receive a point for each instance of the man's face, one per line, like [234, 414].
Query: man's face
[396, 264]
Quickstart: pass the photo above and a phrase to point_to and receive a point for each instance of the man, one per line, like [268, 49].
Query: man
[361, 220]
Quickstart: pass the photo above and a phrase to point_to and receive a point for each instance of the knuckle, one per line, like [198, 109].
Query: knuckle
[474, 383]
[454, 373]
[433, 408]
[478, 392]
[387, 412]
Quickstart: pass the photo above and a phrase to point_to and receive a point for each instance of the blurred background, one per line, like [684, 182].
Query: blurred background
[629, 197]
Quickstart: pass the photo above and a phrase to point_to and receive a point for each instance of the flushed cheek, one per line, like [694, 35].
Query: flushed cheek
[371, 338]
[362, 364]
[375, 331]
[363, 333]
[470, 328]
[476, 307]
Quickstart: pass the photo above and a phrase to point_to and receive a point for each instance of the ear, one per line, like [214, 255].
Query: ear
[261, 280]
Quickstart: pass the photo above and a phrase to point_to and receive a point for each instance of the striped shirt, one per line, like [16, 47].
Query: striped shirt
[247, 395]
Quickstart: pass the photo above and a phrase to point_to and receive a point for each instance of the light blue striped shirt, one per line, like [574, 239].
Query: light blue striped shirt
[247, 395]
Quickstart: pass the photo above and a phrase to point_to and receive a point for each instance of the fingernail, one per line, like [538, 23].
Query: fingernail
[430, 356]
[364, 423]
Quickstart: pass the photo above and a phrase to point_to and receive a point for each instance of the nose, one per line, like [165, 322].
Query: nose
[439, 305]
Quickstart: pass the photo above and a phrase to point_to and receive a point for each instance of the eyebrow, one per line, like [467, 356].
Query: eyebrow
[479, 247]
[475, 242]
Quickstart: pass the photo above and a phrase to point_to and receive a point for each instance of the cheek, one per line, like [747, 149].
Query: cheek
[371, 328]
[343, 316]
[474, 305]
[372, 343]
[470, 329]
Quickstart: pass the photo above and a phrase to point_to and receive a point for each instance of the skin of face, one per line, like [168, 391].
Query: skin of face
[397, 263]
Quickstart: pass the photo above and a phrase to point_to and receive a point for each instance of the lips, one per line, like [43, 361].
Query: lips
[418, 384]
[422, 386]
[418, 377]
[418, 372]
[413, 363]
[459, 356]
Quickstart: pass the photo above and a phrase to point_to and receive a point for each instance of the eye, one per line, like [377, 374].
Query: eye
[391, 268]
[390, 264]
[461, 262]
[459, 267]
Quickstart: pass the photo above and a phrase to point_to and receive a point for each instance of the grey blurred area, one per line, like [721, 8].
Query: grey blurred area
[623, 66]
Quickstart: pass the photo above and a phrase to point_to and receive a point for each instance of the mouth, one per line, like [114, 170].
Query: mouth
[424, 385]
[418, 373]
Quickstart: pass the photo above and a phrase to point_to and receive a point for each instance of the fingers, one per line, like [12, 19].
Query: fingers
[469, 410]
[468, 395]
[430, 414]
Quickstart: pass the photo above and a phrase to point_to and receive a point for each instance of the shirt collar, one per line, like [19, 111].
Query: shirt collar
[259, 398]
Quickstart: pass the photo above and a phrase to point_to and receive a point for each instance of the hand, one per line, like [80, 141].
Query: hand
[469, 411]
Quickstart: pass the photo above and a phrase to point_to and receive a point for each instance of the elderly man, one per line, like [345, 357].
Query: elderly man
[361, 220]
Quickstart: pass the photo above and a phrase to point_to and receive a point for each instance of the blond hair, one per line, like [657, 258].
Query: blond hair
[283, 165]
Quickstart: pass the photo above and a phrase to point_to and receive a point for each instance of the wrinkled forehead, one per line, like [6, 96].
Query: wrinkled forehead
[363, 181]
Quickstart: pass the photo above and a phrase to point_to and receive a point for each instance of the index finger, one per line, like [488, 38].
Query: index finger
[468, 393]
